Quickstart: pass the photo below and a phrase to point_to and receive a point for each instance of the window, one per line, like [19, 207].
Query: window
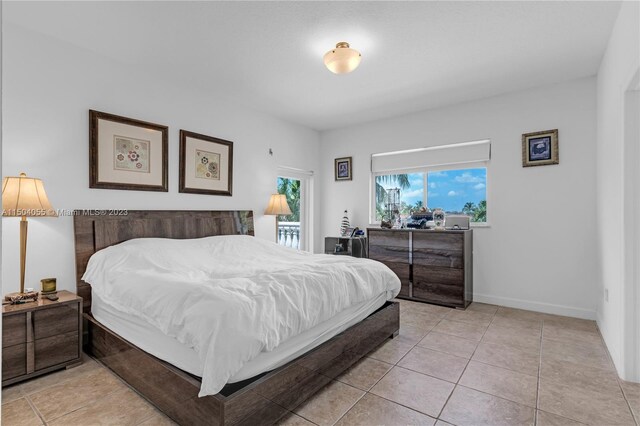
[456, 191]
[451, 177]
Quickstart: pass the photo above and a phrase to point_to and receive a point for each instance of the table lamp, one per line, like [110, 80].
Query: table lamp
[21, 197]
[277, 205]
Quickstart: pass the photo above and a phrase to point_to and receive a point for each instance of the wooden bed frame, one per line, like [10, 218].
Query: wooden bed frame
[261, 400]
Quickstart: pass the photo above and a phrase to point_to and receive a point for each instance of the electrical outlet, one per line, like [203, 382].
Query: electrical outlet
[606, 294]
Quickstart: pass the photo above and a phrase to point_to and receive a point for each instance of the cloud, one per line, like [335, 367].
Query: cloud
[479, 186]
[452, 193]
[438, 174]
[415, 178]
[468, 178]
[413, 193]
[432, 185]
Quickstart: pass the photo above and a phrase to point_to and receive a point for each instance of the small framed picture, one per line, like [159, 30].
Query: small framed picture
[540, 148]
[343, 168]
[127, 154]
[206, 164]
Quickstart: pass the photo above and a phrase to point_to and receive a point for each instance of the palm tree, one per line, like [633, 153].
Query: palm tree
[291, 189]
[400, 180]
[480, 213]
[469, 208]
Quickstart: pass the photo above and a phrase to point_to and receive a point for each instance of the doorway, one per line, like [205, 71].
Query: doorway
[294, 230]
[631, 290]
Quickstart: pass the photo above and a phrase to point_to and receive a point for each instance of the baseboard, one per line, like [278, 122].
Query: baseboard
[547, 308]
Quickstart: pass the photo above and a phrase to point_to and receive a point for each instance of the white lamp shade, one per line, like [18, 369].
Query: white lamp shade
[277, 205]
[342, 59]
[25, 196]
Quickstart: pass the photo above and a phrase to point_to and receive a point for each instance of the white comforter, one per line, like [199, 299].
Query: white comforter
[231, 297]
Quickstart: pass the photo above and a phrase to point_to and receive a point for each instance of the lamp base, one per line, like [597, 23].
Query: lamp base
[17, 297]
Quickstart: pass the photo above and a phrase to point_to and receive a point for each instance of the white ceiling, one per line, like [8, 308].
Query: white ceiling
[268, 55]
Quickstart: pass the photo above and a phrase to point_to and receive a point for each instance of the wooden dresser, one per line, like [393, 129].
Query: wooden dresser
[39, 337]
[433, 266]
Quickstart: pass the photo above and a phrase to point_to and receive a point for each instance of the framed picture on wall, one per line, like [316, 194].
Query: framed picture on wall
[343, 168]
[206, 164]
[127, 154]
[540, 148]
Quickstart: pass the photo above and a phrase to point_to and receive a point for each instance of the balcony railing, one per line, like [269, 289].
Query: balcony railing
[289, 234]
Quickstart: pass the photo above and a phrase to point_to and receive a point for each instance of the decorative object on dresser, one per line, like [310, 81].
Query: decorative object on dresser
[342, 168]
[127, 154]
[433, 266]
[347, 246]
[344, 224]
[277, 206]
[439, 217]
[41, 337]
[258, 400]
[48, 288]
[540, 148]
[458, 222]
[206, 164]
[24, 197]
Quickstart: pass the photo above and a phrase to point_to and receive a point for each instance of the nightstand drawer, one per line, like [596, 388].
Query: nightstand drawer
[56, 349]
[53, 321]
[14, 329]
[14, 361]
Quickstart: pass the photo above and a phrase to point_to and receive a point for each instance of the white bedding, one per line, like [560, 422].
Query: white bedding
[168, 349]
[231, 297]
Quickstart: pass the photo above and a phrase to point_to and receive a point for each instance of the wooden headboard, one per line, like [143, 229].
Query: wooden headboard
[97, 229]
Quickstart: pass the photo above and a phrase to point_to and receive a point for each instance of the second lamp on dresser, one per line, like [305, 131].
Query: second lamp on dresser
[433, 266]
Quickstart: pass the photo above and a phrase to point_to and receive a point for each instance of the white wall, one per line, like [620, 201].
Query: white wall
[619, 65]
[539, 251]
[49, 87]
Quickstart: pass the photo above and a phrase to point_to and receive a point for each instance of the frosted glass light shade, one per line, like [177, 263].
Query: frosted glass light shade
[278, 205]
[342, 59]
[25, 196]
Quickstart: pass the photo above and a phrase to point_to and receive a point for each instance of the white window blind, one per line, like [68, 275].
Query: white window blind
[441, 155]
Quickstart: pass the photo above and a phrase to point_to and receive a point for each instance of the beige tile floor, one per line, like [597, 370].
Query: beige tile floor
[487, 365]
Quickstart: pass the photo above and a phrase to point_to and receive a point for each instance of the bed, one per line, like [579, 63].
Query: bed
[262, 391]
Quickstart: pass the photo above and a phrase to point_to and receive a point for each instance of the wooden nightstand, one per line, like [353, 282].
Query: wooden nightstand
[40, 337]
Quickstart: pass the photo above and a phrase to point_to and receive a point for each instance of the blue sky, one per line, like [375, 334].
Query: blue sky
[449, 189]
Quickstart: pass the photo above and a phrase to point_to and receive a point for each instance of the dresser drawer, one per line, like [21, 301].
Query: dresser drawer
[389, 238]
[389, 254]
[53, 321]
[438, 257]
[57, 349]
[389, 246]
[14, 329]
[437, 275]
[438, 241]
[402, 270]
[14, 361]
[439, 293]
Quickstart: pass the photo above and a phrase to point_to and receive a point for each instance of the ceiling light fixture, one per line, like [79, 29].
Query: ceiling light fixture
[342, 59]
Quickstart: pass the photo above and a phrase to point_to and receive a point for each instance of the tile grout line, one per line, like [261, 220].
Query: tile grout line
[350, 407]
[465, 368]
[85, 405]
[535, 417]
[396, 365]
[618, 379]
[383, 376]
[402, 405]
[35, 409]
